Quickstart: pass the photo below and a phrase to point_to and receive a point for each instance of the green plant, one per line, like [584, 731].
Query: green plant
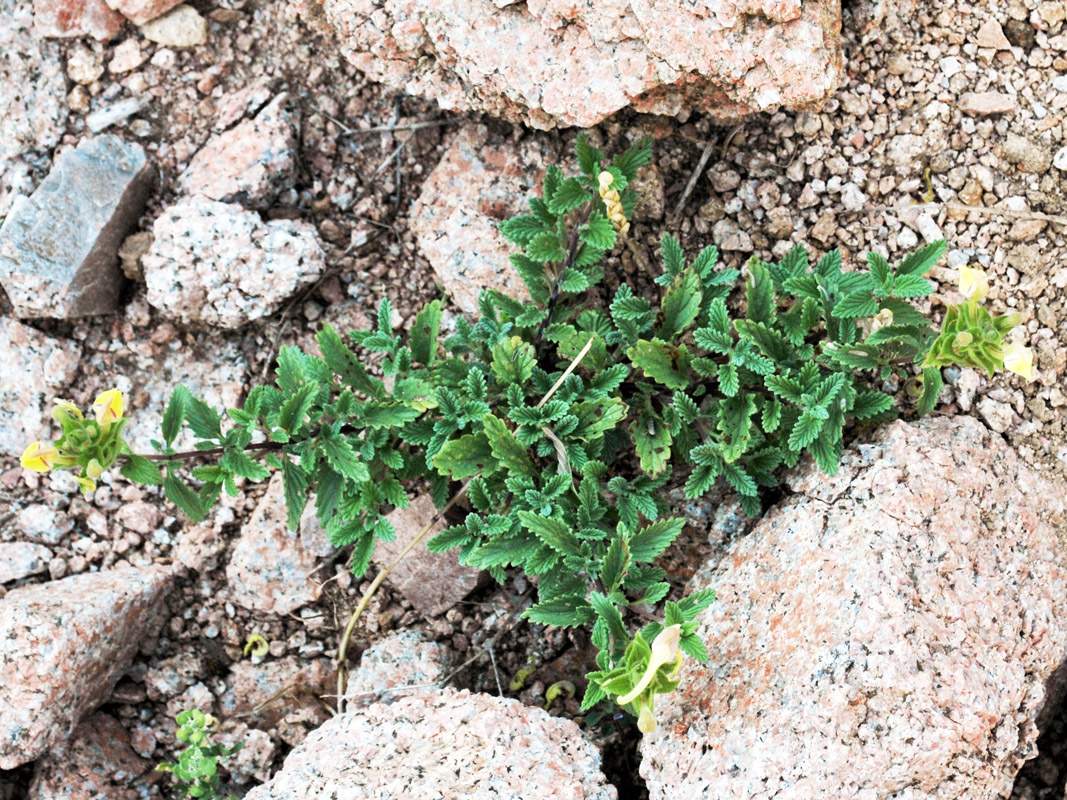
[196, 772]
[566, 421]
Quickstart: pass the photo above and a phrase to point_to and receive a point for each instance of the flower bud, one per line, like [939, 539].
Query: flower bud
[664, 651]
[606, 179]
[963, 338]
[65, 410]
[646, 718]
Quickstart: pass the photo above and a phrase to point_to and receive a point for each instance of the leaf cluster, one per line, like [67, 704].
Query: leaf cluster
[196, 771]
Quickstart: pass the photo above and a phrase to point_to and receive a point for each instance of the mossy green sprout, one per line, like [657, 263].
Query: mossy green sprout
[196, 773]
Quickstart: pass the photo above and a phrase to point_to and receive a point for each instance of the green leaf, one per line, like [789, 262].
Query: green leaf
[513, 361]
[243, 465]
[424, 333]
[343, 458]
[387, 414]
[859, 304]
[204, 421]
[508, 450]
[589, 157]
[569, 196]
[521, 229]
[920, 262]
[174, 415]
[673, 257]
[681, 305]
[606, 610]
[650, 542]
[662, 362]
[598, 231]
[870, 403]
[295, 484]
[735, 424]
[563, 612]
[296, 408]
[880, 271]
[639, 154]
[343, 363]
[932, 383]
[183, 497]
[466, 456]
[806, 429]
[553, 532]
[652, 440]
[911, 286]
[742, 482]
[546, 248]
[759, 293]
[533, 275]
[139, 469]
[615, 564]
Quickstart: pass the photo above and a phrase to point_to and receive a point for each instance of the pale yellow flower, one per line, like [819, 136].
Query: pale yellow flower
[664, 651]
[963, 338]
[39, 457]
[882, 319]
[87, 484]
[974, 285]
[64, 409]
[613, 203]
[1019, 359]
[108, 407]
[646, 718]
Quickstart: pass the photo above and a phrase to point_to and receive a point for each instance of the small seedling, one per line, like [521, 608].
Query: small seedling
[197, 772]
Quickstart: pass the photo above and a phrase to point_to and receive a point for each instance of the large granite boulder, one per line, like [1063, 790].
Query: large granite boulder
[889, 632]
[561, 62]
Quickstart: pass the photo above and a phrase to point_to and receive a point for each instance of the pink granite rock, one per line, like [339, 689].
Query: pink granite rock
[269, 569]
[561, 62]
[982, 104]
[264, 693]
[248, 164]
[432, 582]
[71, 18]
[405, 661]
[141, 11]
[888, 632]
[33, 368]
[445, 744]
[63, 646]
[96, 763]
[217, 264]
[476, 185]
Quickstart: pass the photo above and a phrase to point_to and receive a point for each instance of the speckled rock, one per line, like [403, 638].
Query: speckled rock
[445, 744]
[33, 93]
[250, 163]
[96, 763]
[556, 62]
[51, 268]
[264, 693]
[22, 559]
[403, 661]
[180, 27]
[475, 186]
[884, 633]
[269, 568]
[141, 11]
[71, 18]
[213, 369]
[217, 264]
[25, 403]
[63, 646]
[432, 582]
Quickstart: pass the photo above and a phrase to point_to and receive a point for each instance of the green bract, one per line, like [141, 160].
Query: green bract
[568, 420]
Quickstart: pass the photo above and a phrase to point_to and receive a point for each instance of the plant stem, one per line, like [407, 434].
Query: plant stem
[215, 451]
[572, 253]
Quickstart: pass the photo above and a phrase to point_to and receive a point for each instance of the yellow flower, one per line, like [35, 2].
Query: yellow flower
[1019, 359]
[882, 319]
[646, 718]
[64, 409]
[94, 470]
[974, 285]
[613, 203]
[87, 484]
[108, 407]
[664, 651]
[39, 457]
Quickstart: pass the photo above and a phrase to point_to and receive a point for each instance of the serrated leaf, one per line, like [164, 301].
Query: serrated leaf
[140, 470]
[589, 157]
[546, 248]
[508, 450]
[607, 611]
[343, 458]
[805, 430]
[735, 425]
[673, 257]
[870, 403]
[759, 293]
[681, 305]
[920, 262]
[662, 362]
[635, 157]
[553, 532]
[738, 478]
[533, 275]
[204, 421]
[295, 486]
[183, 497]
[296, 408]
[615, 564]
[568, 196]
[911, 286]
[652, 441]
[387, 414]
[859, 304]
[521, 229]
[931, 384]
[598, 231]
[424, 333]
[466, 456]
[650, 542]
[174, 416]
[880, 271]
[564, 612]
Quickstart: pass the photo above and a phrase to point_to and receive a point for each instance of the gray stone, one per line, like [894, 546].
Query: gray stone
[442, 744]
[21, 559]
[63, 647]
[405, 661]
[59, 247]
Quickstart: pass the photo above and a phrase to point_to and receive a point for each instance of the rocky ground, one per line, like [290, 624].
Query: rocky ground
[265, 135]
